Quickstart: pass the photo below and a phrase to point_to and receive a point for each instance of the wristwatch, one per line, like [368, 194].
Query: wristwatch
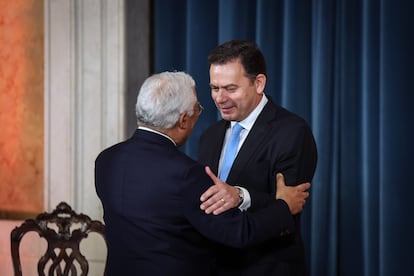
[241, 196]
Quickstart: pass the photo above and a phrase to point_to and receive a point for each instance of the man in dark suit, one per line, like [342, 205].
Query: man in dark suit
[272, 140]
[150, 193]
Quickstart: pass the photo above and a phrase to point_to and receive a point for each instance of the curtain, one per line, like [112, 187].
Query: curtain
[347, 67]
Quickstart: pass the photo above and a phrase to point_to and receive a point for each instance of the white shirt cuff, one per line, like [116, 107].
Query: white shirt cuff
[247, 201]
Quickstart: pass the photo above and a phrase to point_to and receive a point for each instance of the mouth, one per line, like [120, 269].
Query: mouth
[226, 109]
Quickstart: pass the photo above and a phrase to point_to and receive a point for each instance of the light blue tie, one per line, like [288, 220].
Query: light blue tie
[231, 150]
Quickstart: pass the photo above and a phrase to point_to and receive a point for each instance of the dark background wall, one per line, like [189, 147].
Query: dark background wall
[138, 54]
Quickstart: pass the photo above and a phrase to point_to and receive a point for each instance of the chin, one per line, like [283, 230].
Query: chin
[226, 116]
[229, 117]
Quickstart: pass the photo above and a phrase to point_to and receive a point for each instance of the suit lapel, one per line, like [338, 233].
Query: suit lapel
[216, 144]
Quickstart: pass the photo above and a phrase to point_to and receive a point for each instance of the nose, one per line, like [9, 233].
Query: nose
[220, 96]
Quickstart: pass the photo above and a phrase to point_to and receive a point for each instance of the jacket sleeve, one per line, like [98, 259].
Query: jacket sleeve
[234, 228]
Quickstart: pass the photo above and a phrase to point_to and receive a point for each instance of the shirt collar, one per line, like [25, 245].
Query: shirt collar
[249, 121]
[155, 131]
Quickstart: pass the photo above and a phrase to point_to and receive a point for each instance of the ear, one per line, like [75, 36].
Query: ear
[183, 120]
[260, 83]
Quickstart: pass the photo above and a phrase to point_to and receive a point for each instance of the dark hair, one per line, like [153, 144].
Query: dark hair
[249, 54]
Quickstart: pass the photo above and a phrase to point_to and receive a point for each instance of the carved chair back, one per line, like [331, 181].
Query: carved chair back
[63, 229]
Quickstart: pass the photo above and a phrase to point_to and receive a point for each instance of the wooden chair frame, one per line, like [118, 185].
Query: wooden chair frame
[72, 229]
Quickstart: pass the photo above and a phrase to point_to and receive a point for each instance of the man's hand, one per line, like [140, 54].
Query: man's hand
[219, 197]
[294, 196]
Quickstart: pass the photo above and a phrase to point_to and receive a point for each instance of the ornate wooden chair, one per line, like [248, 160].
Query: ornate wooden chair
[62, 256]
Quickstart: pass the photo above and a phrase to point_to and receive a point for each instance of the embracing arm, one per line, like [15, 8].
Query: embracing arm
[235, 228]
[222, 197]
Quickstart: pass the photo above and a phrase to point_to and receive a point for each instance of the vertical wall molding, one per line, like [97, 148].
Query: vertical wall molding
[84, 96]
[84, 102]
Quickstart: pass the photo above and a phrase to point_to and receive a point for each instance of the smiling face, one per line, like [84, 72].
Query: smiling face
[234, 94]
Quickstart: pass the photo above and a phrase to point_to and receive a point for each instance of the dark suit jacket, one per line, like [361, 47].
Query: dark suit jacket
[151, 192]
[279, 141]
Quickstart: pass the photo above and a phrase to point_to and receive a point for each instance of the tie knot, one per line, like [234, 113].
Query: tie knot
[237, 128]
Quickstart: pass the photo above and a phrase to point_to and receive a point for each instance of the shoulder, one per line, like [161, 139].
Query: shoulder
[112, 149]
[278, 115]
[116, 152]
[280, 124]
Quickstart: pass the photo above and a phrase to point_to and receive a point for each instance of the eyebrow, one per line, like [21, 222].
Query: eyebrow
[225, 86]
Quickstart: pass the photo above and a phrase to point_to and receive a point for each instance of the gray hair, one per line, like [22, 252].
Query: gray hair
[163, 97]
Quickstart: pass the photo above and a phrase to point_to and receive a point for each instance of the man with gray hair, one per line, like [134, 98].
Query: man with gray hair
[151, 192]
